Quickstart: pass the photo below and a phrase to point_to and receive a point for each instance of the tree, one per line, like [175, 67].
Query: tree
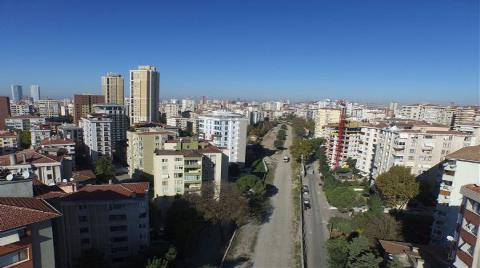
[104, 169]
[25, 138]
[301, 147]
[378, 226]
[183, 223]
[360, 255]
[251, 184]
[375, 204]
[397, 186]
[278, 144]
[337, 252]
[352, 163]
[344, 198]
[156, 263]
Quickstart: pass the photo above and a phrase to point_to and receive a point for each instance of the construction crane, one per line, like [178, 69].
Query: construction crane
[341, 134]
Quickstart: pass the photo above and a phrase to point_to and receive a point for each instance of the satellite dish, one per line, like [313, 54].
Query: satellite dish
[71, 179]
[64, 181]
[9, 177]
[26, 174]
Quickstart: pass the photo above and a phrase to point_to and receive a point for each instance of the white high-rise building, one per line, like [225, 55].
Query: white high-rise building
[35, 92]
[188, 105]
[17, 93]
[144, 94]
[97, 135]
[227, 131]
[119, 119]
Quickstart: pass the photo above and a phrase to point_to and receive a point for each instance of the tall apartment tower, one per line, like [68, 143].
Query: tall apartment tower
[83, 105]
[35, 92]
[144, 94]
[112, 88]
[17, 93]
[4, 110]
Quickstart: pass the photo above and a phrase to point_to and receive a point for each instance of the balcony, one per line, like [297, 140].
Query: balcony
[449, 166]
[399, 146]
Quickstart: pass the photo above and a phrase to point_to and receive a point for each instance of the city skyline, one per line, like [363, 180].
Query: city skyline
[421, 53]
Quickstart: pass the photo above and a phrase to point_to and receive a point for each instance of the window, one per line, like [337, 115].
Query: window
[82, 219]
[119, 239]
[117, 217]
[142, 215]
[178, 159]
[85, 241]
[118, 228]
[13, 258]
[84, 230]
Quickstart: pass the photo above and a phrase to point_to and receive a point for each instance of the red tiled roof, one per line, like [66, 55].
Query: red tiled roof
[82, 175]
[8, 134]
[109, 192]
[473, 187]
[471, 153]
[57, 142]
[44, 191]
[20, 211]
[31, 157]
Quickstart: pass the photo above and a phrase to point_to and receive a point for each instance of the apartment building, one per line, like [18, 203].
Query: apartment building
[187, 105]
[171, 110]
[144, 94]
[97, 135]
[428, 112]
[467, 234]
[187, 164]
[72, 132]
[179, 122]
[323, 117]
[83, 105]
[113, 89]
[349, 145]
[467, 115]
[49, 169]
[9, 142]
[460, 167]
[418, 146]
[112, 218]
[24, 122]
[49, 108]
[142, 141]
[226, 130]
[59, 146]
[368, 140]
[119, 120]
[20, 108]
[4, 110]
[26, 236]
[39, 133]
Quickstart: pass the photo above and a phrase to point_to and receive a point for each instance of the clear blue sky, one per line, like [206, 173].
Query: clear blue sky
[405, 50]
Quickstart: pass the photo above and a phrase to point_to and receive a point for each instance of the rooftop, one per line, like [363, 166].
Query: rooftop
[104, 192]
[20, 211]
[58, 141]
[471, 153]
[31, 157]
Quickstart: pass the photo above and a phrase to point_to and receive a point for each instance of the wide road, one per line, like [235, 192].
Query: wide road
[315, 222]
[275, 241]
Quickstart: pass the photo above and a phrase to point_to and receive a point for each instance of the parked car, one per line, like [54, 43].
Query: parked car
[306, 203]
[305, 189]
[286, 159]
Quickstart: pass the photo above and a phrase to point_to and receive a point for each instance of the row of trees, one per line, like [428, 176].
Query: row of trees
[281, 137]
[261, 128]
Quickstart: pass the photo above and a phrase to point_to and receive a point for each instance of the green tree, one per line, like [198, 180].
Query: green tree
[25, 138]
[344, 198]
[251, 184]
[377, 226]
[395, 263]
[337, 249]
[360, 255]
[278, 144]
[301, 147]
[397, 186]
[156, 263]
[104, 169]
[352, 163]
[375, 204]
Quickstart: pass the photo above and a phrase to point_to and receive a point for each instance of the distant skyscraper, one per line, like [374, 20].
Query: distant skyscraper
[16, 93]
[35, 92]
[83, 105]
[144, 94]
[112, 88]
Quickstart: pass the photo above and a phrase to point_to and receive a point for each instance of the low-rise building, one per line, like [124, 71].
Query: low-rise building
[49, 108]
[185, 165]
[9, 142]
[19, 109]
[24, 122]
[39, 133]
[26, 236]
[71, 132]
[467, 235]
[460, 168]
[112, 218]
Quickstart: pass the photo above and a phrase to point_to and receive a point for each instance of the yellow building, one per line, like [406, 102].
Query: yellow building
[144, 94]
[112, 88]
[325, 116]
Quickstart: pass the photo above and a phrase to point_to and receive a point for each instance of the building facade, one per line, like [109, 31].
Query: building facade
[83, 105]
[49, 108]
[323, 117]
[117, 113]
[113, 88]
[35, 92]
[144, 94]
[9, 142]
[17, 93]
[24, 122]
[4, 110]
[97, 135]
[227, 131]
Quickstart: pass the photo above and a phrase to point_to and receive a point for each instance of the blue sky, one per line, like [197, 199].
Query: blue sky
[375, 51]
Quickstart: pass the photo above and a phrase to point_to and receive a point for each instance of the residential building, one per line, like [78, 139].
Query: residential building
[367, 147]
[59, 146]
[349, 145]
[460, 167]
[23, 122]
[179, 122]
[4, 110]
[112, 218]
[142, 142]
[119, 120]
[187, 105]
[226, 130]
[323, 117]
[26, 236]
[467, 234]
[35, 92]
[171, 110]
[9, 142]
[466, 115]
[187, 164]
[419, 147]
[97, 135]
[112, 88]
[83, 105]
[71, 132]
[39, 133]
[48, 108]
[20, 108]
[17, 93]
[144, 94]
[18, 186]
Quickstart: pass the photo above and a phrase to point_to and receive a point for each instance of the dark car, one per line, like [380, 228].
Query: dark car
[305, 189]
[306, 203]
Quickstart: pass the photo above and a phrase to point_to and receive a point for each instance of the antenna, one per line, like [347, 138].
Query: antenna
[9, 177]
